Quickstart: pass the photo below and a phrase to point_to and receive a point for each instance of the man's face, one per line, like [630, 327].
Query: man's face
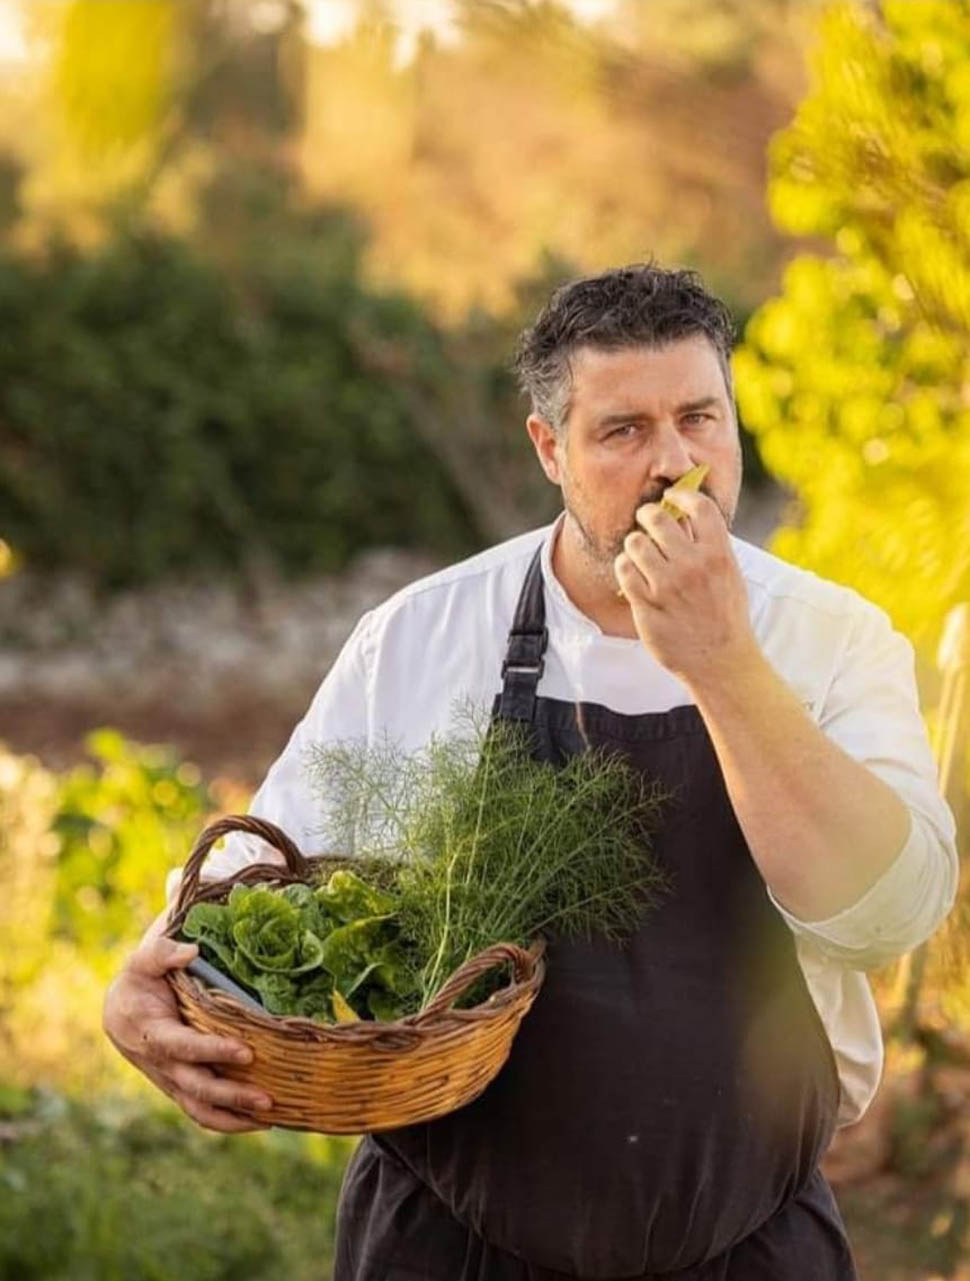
[640, 417]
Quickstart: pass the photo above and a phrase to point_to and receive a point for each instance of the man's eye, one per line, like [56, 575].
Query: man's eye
[624, 429]
[695, 418]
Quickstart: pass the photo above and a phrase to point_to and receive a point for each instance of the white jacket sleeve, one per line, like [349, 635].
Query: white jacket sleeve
[872, 711]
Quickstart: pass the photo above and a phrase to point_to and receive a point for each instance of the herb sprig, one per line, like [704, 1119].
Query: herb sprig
[494, 845]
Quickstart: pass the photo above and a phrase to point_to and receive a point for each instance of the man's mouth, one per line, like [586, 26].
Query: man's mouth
[655, 495]
[658, 494]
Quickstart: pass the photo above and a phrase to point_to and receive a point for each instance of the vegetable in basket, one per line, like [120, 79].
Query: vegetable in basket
[306, 951]
[480, 844]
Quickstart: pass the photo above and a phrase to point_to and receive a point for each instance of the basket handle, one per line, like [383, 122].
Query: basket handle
[523, 964]
[261, 827]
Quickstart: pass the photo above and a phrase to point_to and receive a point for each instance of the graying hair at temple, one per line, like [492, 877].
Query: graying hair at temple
[640, 304]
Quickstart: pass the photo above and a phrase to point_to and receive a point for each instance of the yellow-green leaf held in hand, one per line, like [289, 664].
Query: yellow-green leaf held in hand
[691, 480]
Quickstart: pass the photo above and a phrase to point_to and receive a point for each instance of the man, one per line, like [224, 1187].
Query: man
[665, 1105]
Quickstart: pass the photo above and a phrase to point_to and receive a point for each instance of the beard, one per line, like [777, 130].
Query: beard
[600, 552]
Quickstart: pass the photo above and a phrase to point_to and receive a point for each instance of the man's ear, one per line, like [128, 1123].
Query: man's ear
[546, 444]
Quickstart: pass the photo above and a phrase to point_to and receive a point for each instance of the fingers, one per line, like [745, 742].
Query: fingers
[170, 1039]
[634, 585]
[647, 560]
[215, 1119]
[672, 536]
[210, 1116]
[141, 1018]
[202, 1100]
[703, 513]
[154, 957]
[197, 1085]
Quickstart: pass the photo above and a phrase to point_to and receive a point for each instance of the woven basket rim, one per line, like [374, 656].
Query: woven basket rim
[528, 964]
[411, 1028]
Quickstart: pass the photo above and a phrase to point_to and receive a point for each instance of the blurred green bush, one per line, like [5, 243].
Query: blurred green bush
[163, 411]
[107, 1191]
[83, 861]
[120, 824]
[101, 1178]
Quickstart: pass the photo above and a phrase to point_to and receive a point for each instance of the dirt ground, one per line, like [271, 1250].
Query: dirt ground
[239, 744]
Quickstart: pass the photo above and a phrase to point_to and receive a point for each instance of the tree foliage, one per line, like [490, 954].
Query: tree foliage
[83, 859]
[856, 379]
[161, 412]
[451, 127]
[113, 71]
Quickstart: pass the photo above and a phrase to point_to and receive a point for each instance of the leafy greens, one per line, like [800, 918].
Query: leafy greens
[493, 845]
[477, 842]
[308, 951]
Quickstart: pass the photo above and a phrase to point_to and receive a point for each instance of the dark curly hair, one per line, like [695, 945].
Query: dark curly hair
[625, 307]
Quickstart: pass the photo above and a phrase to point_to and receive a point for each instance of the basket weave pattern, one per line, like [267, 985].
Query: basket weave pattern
[353, 1078]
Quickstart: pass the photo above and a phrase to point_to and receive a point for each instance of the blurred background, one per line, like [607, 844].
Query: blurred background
[262, 264]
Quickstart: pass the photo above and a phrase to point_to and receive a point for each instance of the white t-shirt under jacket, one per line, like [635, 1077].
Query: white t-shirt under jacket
[442, 640]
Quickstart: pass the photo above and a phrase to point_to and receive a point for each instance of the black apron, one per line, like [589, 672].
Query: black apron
[665, 1103]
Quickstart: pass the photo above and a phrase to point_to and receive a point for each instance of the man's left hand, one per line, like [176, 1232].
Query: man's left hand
[689, 602]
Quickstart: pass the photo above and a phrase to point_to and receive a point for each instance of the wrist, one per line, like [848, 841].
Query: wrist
[735, 670]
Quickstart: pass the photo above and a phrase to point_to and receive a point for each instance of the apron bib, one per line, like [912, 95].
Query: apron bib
[665, 1103]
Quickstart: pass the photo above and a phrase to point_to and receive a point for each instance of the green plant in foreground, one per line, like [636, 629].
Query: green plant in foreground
[121, 822]
[108, 1188]
[469, 842]
[491, 844]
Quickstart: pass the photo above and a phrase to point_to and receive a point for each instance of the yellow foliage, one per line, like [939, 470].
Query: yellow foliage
[50, 996]
[90, 109]
[28, 850]
[856, 378]
[113, 71]
[83, 858]
[526, 133]
[8, 559]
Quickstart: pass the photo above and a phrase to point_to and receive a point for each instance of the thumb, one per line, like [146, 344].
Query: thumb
[155, 957]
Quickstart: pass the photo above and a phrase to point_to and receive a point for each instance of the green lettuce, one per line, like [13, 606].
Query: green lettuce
[348, 898]
[295, 947]
[270, 933]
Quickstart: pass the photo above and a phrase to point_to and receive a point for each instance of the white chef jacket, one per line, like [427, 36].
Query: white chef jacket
[441, 641]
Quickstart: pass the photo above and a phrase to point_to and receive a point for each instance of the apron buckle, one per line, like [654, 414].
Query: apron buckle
[525, 652]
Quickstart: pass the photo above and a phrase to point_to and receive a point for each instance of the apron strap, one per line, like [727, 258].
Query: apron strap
[524, 662]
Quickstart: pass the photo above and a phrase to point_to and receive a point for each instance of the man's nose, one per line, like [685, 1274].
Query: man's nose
[670, 457]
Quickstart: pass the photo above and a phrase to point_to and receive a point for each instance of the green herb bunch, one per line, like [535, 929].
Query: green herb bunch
[492, 845]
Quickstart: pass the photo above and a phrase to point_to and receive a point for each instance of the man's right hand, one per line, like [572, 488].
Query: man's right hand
[141, 1019]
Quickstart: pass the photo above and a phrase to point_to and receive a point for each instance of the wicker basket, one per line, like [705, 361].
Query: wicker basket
[353, 1078]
